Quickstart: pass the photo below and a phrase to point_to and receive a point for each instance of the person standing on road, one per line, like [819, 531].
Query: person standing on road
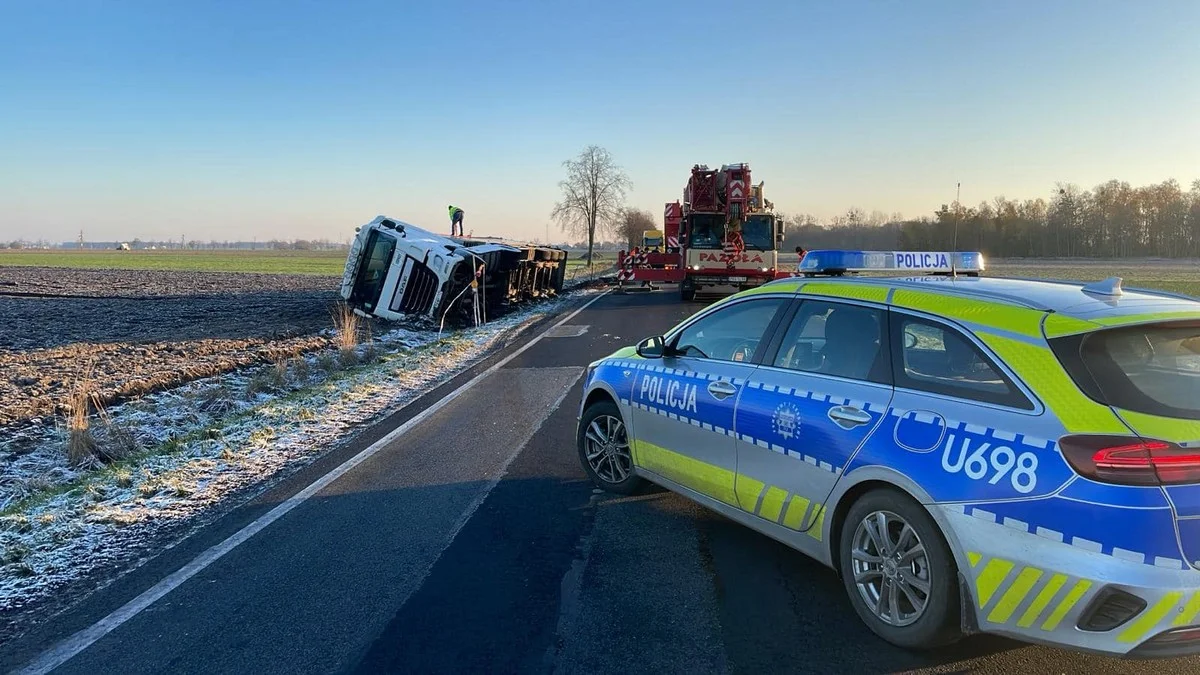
[456, 218]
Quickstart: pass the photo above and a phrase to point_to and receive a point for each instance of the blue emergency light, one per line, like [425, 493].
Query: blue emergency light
[836, 262]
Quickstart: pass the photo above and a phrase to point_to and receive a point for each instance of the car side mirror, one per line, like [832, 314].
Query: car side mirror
[651, 348]
[910, 340]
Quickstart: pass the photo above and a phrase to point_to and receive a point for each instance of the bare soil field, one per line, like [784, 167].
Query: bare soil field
[137, 331]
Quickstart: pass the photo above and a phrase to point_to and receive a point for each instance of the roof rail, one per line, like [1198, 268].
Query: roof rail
[947, 288]
[952, 289]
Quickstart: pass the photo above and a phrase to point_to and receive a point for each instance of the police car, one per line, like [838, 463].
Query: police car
[970, 454]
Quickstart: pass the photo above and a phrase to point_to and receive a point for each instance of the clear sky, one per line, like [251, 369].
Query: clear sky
[302, 119]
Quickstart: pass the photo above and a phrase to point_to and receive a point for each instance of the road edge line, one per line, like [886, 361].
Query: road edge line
[68, 648]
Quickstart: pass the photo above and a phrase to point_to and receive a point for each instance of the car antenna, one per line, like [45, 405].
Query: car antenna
[957, 213]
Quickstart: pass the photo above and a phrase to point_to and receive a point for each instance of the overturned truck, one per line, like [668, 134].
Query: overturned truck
[395, 269]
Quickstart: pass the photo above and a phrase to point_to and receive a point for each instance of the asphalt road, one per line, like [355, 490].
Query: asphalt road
[474, 543]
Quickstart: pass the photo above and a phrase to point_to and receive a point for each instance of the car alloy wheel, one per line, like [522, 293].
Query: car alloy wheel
[891, 568]
[606, 447]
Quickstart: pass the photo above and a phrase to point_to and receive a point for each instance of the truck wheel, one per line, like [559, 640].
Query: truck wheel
[604, 449]
[898, 571]
[687, 291]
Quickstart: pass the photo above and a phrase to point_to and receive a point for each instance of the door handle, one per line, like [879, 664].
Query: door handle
[721, 389]
[848, 417]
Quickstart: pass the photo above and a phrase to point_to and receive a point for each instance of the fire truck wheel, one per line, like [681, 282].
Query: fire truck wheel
[687, 291]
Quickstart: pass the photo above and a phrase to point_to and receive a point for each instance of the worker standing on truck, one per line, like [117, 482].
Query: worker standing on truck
[456, 218]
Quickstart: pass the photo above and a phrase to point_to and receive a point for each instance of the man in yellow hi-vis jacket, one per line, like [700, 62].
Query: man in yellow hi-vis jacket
[456, 218]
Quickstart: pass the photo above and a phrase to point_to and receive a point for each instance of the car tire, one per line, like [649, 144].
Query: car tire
[609, 466]
[906, 565]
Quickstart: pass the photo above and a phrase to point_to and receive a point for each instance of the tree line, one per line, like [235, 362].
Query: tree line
[1113, 220]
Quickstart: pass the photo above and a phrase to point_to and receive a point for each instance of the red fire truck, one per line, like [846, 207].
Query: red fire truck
[724, 237]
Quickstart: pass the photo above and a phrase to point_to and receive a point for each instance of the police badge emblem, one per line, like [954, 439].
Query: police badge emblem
[786, 421]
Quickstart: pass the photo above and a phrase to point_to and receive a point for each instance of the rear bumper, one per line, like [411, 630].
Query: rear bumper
[1036, 589]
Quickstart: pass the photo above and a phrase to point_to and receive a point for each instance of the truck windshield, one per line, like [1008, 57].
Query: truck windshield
[707, 230]
[757, 233]
[373, 269]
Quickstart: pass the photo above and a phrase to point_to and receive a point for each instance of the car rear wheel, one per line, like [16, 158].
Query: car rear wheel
[604, 449]
[898, 571]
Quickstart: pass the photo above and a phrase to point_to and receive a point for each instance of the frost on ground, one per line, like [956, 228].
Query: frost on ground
[199, 448]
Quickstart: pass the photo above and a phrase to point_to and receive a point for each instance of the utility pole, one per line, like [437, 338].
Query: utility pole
[81, 237]
[957, 214]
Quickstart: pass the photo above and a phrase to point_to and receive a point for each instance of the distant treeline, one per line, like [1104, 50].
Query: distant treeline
[1114, 220]
[191, 245]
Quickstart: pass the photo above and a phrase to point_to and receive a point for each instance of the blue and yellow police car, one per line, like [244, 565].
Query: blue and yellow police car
[970, 454]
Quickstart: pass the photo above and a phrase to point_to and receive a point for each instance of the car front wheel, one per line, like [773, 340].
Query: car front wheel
[899, 572]
[604, 450]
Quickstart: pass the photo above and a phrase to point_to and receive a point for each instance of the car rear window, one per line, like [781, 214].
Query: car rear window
[1152, 369]
[936, 358]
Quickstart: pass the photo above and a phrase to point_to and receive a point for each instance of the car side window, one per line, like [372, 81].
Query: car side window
[731, 333]
[838, 339]
[939, 359]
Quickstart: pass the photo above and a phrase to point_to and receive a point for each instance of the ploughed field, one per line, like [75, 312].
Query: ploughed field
[134, 331]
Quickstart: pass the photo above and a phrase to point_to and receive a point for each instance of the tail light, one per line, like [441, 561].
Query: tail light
[1131, 461]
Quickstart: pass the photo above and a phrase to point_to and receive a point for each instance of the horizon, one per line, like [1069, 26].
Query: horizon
[285, 122]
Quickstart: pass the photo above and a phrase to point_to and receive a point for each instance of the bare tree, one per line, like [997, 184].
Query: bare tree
[632, 224]
[593, 194]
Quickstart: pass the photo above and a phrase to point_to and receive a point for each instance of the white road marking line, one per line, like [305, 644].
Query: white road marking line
[68, 648]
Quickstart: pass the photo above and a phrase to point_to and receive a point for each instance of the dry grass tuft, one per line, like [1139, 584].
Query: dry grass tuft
[85, 446]
[81, 445]
[327, 362]
[279, 374]
[259, 382]
[300, 368]
[346, 322]
[348, 326]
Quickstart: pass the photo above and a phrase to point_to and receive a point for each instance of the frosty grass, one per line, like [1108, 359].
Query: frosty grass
[206, 445]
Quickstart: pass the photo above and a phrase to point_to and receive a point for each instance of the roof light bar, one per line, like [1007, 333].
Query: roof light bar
[836, 262]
